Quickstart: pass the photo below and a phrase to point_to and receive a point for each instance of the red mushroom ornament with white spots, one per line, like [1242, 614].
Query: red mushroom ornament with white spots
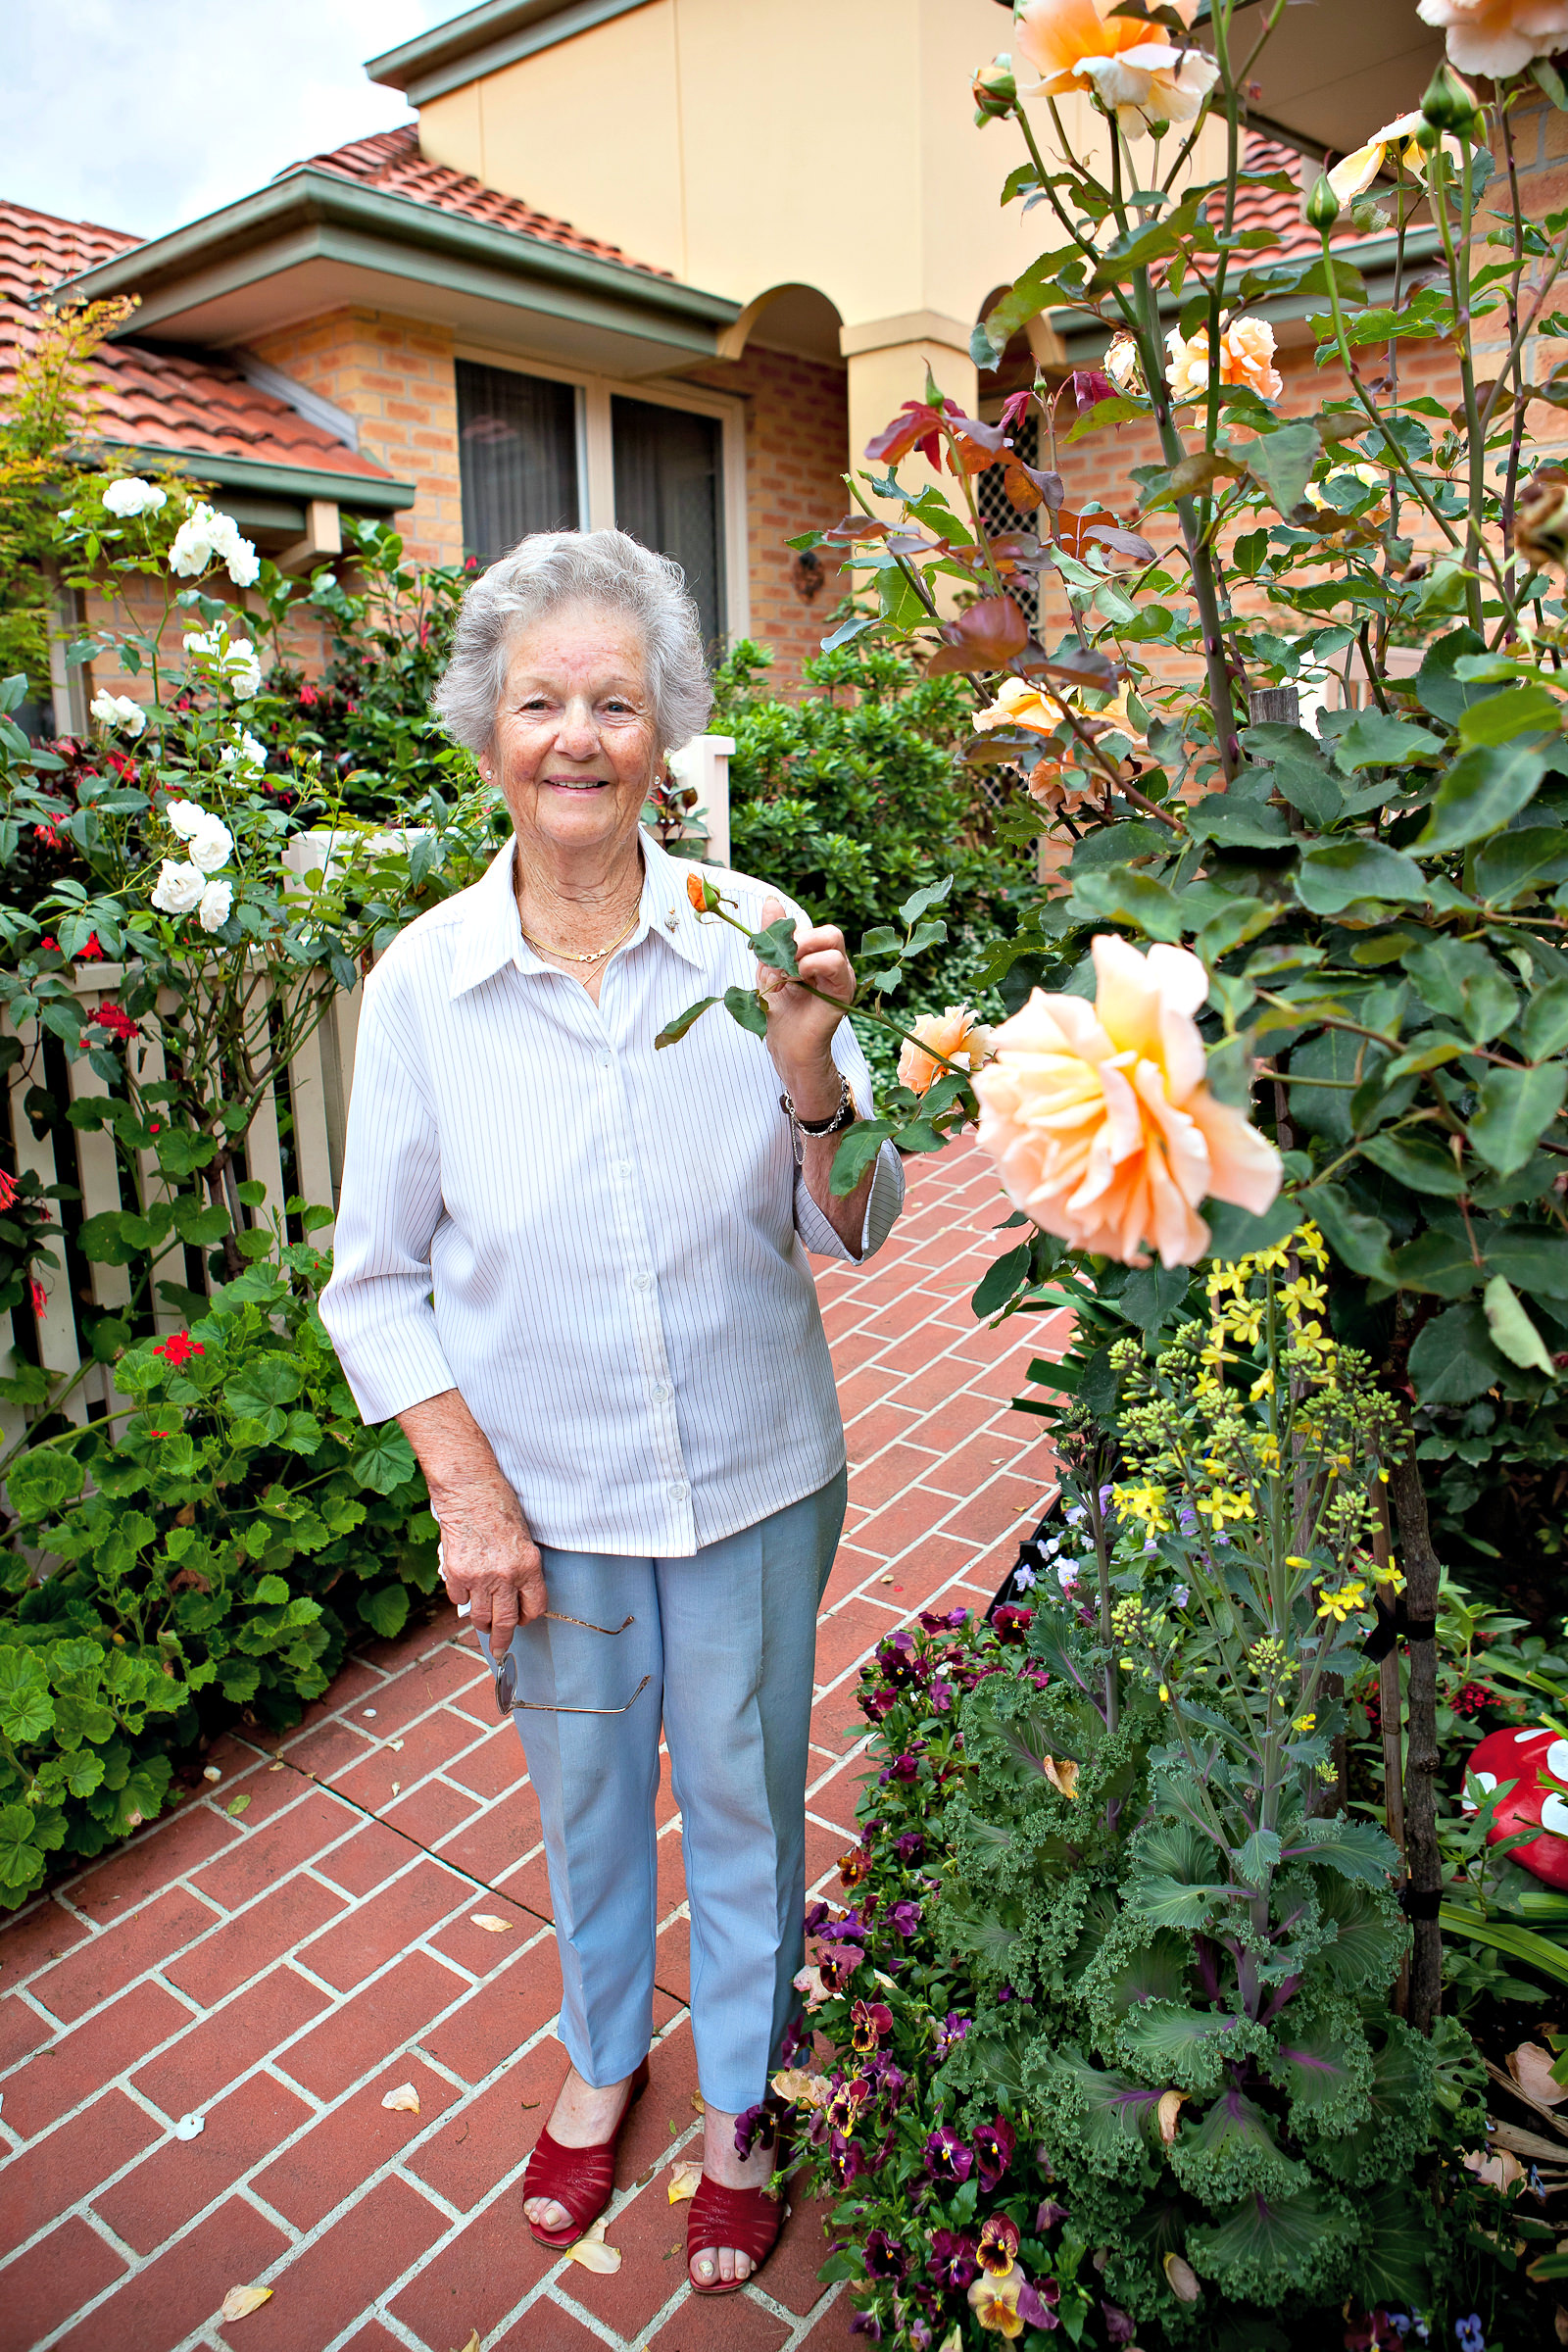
[1536, 1763]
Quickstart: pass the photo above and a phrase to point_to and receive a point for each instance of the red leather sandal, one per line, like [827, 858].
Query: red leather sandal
[746, 2219]
[582, 2180]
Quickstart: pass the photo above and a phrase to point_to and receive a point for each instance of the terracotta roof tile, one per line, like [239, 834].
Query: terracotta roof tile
[391, 161]
[1264, 208]
[143, 395]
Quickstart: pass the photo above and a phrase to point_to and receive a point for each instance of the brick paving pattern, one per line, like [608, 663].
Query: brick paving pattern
[301, 1939]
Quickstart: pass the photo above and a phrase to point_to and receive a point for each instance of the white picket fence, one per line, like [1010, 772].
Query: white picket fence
[313, 1092]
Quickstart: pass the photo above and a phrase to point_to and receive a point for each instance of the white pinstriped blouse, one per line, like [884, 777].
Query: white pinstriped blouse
[597, 1244]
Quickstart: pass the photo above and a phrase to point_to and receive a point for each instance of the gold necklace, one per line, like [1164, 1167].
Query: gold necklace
[597, 955]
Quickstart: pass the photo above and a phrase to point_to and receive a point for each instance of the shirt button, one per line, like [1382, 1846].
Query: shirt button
[606, 1062]
[642, 1282]
[623, 1167]
[678, 1490]
[658, 1394]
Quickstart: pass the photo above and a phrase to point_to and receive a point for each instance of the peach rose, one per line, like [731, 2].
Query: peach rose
[1152, 85]
[955, 1033]
[1020, 705]
[1497, 36]
[1057, 36]
[1245, 357]
[1100, 1121]
[1355, 173]
[1055, 787]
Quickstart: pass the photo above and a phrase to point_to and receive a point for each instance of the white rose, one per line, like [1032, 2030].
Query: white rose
[178, 887]
[120, 713]
[185, 817]
[242, 668]
[244, 564]
[192, 551]
[247, 753]
[210, 845]
[201, 647]
[216, 901]
[133, 496]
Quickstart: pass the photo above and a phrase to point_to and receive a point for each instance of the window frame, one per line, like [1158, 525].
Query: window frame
[596, 468]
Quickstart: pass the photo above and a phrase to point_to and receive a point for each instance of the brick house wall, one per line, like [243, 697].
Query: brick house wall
[797, 453]
[396, 376]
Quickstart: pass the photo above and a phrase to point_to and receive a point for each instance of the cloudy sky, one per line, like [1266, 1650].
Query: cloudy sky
[143, 114]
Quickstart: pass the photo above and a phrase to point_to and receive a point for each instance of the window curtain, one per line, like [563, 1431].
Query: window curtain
[668, 494]
[517, 458]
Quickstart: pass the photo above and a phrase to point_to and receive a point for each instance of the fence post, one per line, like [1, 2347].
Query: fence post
[703, 765]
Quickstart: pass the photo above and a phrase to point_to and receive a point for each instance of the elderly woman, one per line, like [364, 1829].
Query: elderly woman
[575, 1269]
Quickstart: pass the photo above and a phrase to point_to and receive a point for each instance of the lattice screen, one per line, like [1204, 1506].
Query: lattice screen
[999, 513]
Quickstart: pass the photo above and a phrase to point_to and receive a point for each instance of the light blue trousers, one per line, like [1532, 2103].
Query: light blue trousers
[728, 1639]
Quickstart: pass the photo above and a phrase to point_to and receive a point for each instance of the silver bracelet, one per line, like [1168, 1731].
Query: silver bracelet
[844, 1117]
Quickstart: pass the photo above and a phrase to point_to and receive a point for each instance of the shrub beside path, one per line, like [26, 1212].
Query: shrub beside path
[300, 1940]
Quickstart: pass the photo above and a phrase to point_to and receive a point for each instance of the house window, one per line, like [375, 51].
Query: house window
[667, 493]
[517, 457]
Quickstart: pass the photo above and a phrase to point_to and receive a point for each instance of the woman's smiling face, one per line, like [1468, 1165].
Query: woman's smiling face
[575, 751]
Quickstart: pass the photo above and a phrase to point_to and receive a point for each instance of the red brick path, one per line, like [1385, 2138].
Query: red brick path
[288, 1948]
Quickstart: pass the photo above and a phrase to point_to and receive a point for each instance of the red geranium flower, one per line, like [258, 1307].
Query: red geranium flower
[93, 953]
[116, 1019]
[179, 1348]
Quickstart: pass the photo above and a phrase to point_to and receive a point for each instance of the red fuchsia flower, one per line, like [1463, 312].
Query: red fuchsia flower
[905, 1918]
[309, 698]
[998, 2249]
[116, 1019]
[868, 2022]
[947, 2161]
[950, 2262]
[48, 835]
[179, 1348]
[951, 2033]
[854, 1866]
[40, 1298]
[884, 2257]
[8, 1190]
[993, 2144]
[838, 1966]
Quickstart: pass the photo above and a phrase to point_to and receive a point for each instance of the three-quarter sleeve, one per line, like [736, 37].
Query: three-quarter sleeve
[886, 1196]
[377, 1305]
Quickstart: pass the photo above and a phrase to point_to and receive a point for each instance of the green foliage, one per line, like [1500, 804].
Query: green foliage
[1229, 2107]
[217, 1549]
[852, 799]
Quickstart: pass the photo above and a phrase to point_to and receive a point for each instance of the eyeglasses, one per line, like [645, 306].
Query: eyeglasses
[508, 1701]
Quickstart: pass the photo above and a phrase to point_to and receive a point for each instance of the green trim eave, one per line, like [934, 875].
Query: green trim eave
[1084, 337]
[374, 494]
[309, 214]
[485, 39]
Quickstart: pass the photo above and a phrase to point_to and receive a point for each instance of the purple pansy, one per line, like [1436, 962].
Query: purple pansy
[1036, 2305]
[951, 2033]
[909, 1848]
[993, 2144]
[947, 2159]
[883, 2256]
[952, 2261]
[1050, 2214]
[837, 1966]
[905, 1918]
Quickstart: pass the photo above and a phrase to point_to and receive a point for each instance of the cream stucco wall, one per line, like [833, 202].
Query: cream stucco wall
[744, 144]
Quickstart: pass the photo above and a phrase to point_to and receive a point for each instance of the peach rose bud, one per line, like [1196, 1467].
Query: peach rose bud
[955, 1033]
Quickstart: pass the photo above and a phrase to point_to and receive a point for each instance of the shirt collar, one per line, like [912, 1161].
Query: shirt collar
[491, 933]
